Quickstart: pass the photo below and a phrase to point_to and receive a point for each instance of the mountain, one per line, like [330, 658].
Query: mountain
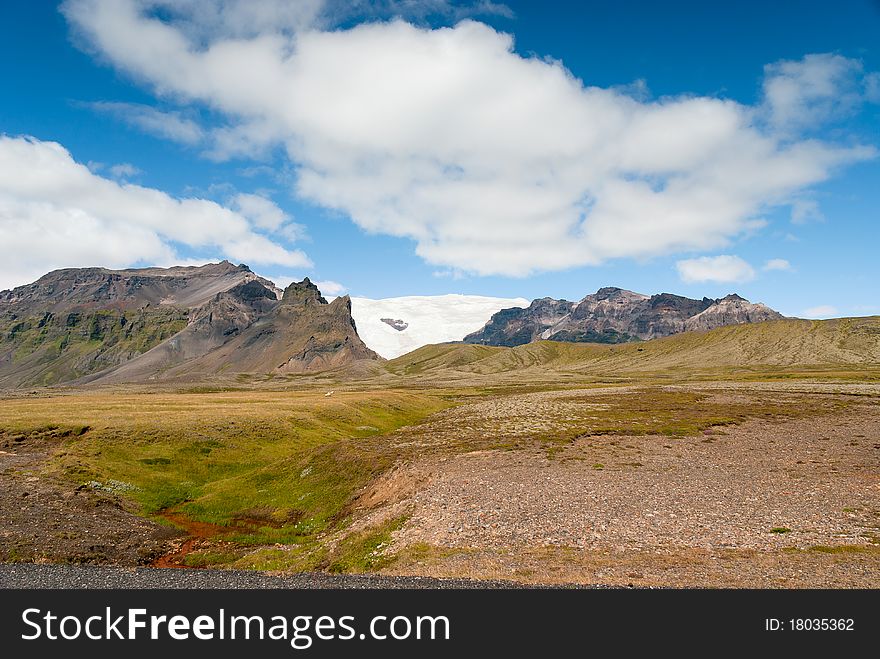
[614, 315]
[134, 288]
[395, 326]
[146, 324]
[243, 330]
[136, 324]
[730, 310]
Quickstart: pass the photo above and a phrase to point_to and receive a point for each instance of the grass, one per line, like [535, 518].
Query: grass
[844, 349]
[363, 551]
[284, 467]
[669, 412]
[357, 552]
[209, 558]
[290, 456]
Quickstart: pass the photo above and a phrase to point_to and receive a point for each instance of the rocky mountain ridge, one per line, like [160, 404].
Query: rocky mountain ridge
[105, 325]
[615, 315]
[188, 322]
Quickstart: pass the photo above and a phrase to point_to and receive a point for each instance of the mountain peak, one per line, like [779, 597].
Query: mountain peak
[252, 290]
[609, 291]
[302, 292]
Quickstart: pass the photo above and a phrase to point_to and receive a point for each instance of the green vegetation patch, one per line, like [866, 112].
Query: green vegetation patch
[364, 551]
[65, 346]
[676, 413]
[266, 467]
[358, 552]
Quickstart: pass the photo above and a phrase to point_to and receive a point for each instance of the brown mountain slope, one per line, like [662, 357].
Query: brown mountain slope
[783, 343]
[615, 315]
[94, 324]
[75, 322]
[134, 288]
[244, 330]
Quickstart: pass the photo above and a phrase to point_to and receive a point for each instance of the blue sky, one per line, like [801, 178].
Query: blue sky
[516, 180]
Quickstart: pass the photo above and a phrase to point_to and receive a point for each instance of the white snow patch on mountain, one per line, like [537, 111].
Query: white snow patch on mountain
[429, 319]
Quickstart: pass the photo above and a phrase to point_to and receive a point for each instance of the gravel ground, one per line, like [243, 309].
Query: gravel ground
[816, 481]
[28, 575]
[767, 503]
[45, 518]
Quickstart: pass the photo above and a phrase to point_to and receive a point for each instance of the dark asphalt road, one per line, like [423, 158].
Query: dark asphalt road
[28, 575]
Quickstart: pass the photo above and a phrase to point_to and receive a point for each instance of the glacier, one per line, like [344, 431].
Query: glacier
[429, 319]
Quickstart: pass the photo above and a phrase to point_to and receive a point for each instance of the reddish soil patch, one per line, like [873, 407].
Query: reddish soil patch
[198, 534]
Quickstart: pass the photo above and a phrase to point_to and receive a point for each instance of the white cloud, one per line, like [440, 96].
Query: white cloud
[281, 281]
[449, 273]
[805, 210]
[722, 269]
[124, 170]
[822, 311]
[872, 87]
[202, 20]
[820, 87]
[261, 211]
[167, 125]
[414, 10]
[265, 214]
[777, 264]
[331, 288]
[493, 163]
[55, 212]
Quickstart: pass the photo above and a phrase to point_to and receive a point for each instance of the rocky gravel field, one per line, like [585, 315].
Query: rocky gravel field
[766, 502]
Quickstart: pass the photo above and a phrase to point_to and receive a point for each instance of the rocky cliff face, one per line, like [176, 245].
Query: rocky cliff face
[516, 326]
[141, 324]
[301, 333]
[614, 315]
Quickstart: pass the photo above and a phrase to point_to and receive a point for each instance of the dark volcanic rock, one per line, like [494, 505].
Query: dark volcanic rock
[302, 292]
[253, 290]
[397, 324]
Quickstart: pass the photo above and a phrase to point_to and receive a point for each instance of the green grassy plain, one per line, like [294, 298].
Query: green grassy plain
[275, 466]
[267, 466]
